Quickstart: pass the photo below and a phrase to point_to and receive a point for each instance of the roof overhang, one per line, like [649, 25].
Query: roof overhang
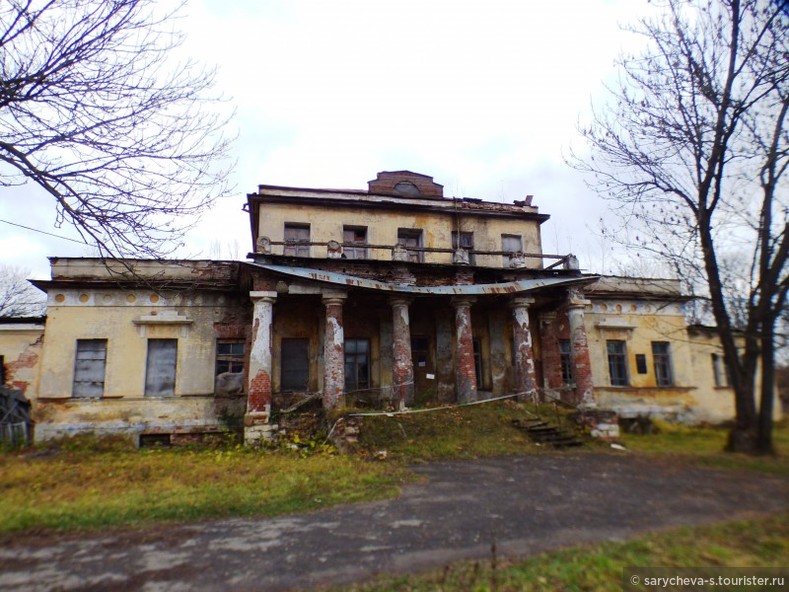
[522, 286]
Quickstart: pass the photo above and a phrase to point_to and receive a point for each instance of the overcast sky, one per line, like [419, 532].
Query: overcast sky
[485, 96]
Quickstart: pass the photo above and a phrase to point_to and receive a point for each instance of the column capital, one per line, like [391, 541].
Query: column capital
[400, 301]
[548, 317]
[521, 301]
[575, 299]
[263, 295]
[333, 296]
[460, 301]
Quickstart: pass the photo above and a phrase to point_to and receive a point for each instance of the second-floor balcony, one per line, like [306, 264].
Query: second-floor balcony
[410, 253]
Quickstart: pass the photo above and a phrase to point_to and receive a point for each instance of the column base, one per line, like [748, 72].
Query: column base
[257, 428]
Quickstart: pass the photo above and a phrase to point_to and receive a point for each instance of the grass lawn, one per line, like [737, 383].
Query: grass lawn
[76, 488]
[762, 542]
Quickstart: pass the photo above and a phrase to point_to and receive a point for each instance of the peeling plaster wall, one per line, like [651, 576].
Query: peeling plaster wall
[327, 224]
[21, 350]
[693, 397]
[127, 319]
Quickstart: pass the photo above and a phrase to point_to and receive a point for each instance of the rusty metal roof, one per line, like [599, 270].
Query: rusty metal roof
[350, 281]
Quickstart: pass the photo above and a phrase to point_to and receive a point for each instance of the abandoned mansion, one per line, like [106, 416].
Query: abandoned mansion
[393, 296]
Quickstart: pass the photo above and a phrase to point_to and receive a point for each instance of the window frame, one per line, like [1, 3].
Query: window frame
[408, 234]
[661, 363]
[566, 361]
[357, 360]
[297, 246]
[618, 374]
[233, 359]
[507, 253]
[463, 239]
[354, 248]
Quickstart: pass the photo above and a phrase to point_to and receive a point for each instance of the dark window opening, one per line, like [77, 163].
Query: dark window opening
[161, 367]
[661, 357]
[357, 364]
[89, 367]
[566, 359]
[617, 363]
[295, 365]
[154, 440]
[297, 240]
[641, 363]
[478, 360]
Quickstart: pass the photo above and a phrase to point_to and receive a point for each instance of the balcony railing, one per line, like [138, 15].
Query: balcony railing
[399, 252]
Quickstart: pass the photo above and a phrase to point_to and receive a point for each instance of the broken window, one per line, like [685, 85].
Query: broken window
[566, 360]
[411, 239]
[297, 240]
[617, 362]
[295, 364]
[229, 356]
[661, 358]
[510, 245]
[89, 367]
[354, 242]
[160, 367]
[464, 240]
[357, 364]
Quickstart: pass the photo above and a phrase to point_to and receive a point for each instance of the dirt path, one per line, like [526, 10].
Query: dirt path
[526, 504]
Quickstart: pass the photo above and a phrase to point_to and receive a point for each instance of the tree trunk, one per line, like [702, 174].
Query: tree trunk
[764, 444]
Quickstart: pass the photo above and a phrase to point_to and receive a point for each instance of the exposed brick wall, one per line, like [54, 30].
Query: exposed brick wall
[259, 392]
[386, 181]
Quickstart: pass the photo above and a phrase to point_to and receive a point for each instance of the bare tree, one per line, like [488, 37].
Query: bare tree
[94, 110]
[18, 297]
[693, 148]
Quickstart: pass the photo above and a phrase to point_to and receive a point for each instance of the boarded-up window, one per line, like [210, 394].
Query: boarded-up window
[89, 366]
[295, 365]
[160, 367]
[297, 240]
[411, 239]
[510, 244]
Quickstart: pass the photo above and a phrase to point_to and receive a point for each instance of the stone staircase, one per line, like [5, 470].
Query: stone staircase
[542, 432]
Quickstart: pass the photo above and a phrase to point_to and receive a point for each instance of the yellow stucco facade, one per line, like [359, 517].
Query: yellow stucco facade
[126, 320]
[183, 348]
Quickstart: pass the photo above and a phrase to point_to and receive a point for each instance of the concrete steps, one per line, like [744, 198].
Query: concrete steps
[542, 432]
